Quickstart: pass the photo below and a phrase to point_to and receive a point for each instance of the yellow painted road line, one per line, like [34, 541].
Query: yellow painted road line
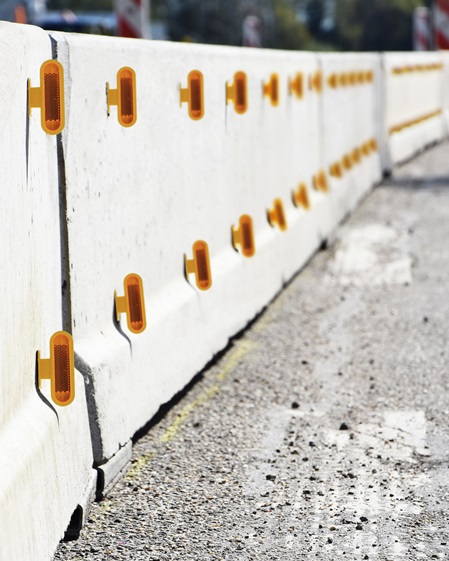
[173, 429]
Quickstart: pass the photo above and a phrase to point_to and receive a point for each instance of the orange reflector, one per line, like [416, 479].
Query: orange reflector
[343, 79]
[335, 170]
[373, 144]
[276, 215]
[199, 265]
[352, 78]
[365, 148]
[356, 156]
[360, 77]
[132, 304]
[243, 236]
[193, 95]
[300, 197]
[296, 85]
[347, 162]
[59, 368]
[49, 97]
[333, 81]
[316, 82]
[320, 182]
[369, 76]
[238, 93]
[124, 97]
[271, 89]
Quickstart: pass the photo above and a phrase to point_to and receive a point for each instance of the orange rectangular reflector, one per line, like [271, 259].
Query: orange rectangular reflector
[238, 93]
[276, 215]
[200, 265]
[271, 90]
[124, 97]
[193, 95]
[49, 97]
[59, 368]
[300, 197]
[320, 182]
[243, 236]
[296, 85]
[132, 303]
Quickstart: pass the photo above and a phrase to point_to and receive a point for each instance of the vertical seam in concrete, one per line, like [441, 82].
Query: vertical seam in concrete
[63, 227]
[66, 293]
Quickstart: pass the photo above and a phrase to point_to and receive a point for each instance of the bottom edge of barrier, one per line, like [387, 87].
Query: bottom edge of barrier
[110, 473]
[81, 512]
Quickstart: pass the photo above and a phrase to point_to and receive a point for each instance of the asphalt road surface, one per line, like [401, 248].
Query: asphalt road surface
[323, 431]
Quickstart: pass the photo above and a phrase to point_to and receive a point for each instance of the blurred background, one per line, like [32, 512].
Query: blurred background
[317, 25]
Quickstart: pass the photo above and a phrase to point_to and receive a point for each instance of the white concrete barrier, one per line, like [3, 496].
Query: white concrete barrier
[413, 103]
[184, 143]
[138, 198]
[350, 126]
[45, 451]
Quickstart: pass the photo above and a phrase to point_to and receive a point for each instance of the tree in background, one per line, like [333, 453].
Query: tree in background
[376, 25]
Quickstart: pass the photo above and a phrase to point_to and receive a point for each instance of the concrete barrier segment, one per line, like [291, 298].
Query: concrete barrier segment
[414, 109]
[139, 198]
[45, 451]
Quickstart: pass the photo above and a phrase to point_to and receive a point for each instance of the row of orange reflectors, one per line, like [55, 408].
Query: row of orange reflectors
[59, 368]
[337, 169]
[417, 68]
[49, 96]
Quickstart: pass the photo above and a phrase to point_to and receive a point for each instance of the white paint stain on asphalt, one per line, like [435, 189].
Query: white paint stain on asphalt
[371, 255]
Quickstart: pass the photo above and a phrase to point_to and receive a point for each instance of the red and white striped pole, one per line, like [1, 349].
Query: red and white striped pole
[422, 32]
[132, 18]
[441, 18]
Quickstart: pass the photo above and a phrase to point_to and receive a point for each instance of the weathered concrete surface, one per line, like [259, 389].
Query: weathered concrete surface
[322, 433]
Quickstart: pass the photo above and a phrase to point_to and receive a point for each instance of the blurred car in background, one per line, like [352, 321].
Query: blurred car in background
[35, 12]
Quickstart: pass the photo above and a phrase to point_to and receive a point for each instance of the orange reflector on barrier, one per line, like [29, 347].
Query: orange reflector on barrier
[296, 85]
[243, 236]
[199, 265]
[59, 368]
[193, 95]
[124, 97]
[49, 97]
[132, 304]
[300, 197]
[320, 182]
[238, 93]
[373, 144]
[333, 81]
[344, 79]
[356, 156]
[271, 89]
[316, 82]
[365, 148]
[336, 170]
[347, 162]
[276, 215]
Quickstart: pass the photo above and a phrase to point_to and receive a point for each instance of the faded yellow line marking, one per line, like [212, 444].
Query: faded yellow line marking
[229, 366]
[173, 429]
[139, 464]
